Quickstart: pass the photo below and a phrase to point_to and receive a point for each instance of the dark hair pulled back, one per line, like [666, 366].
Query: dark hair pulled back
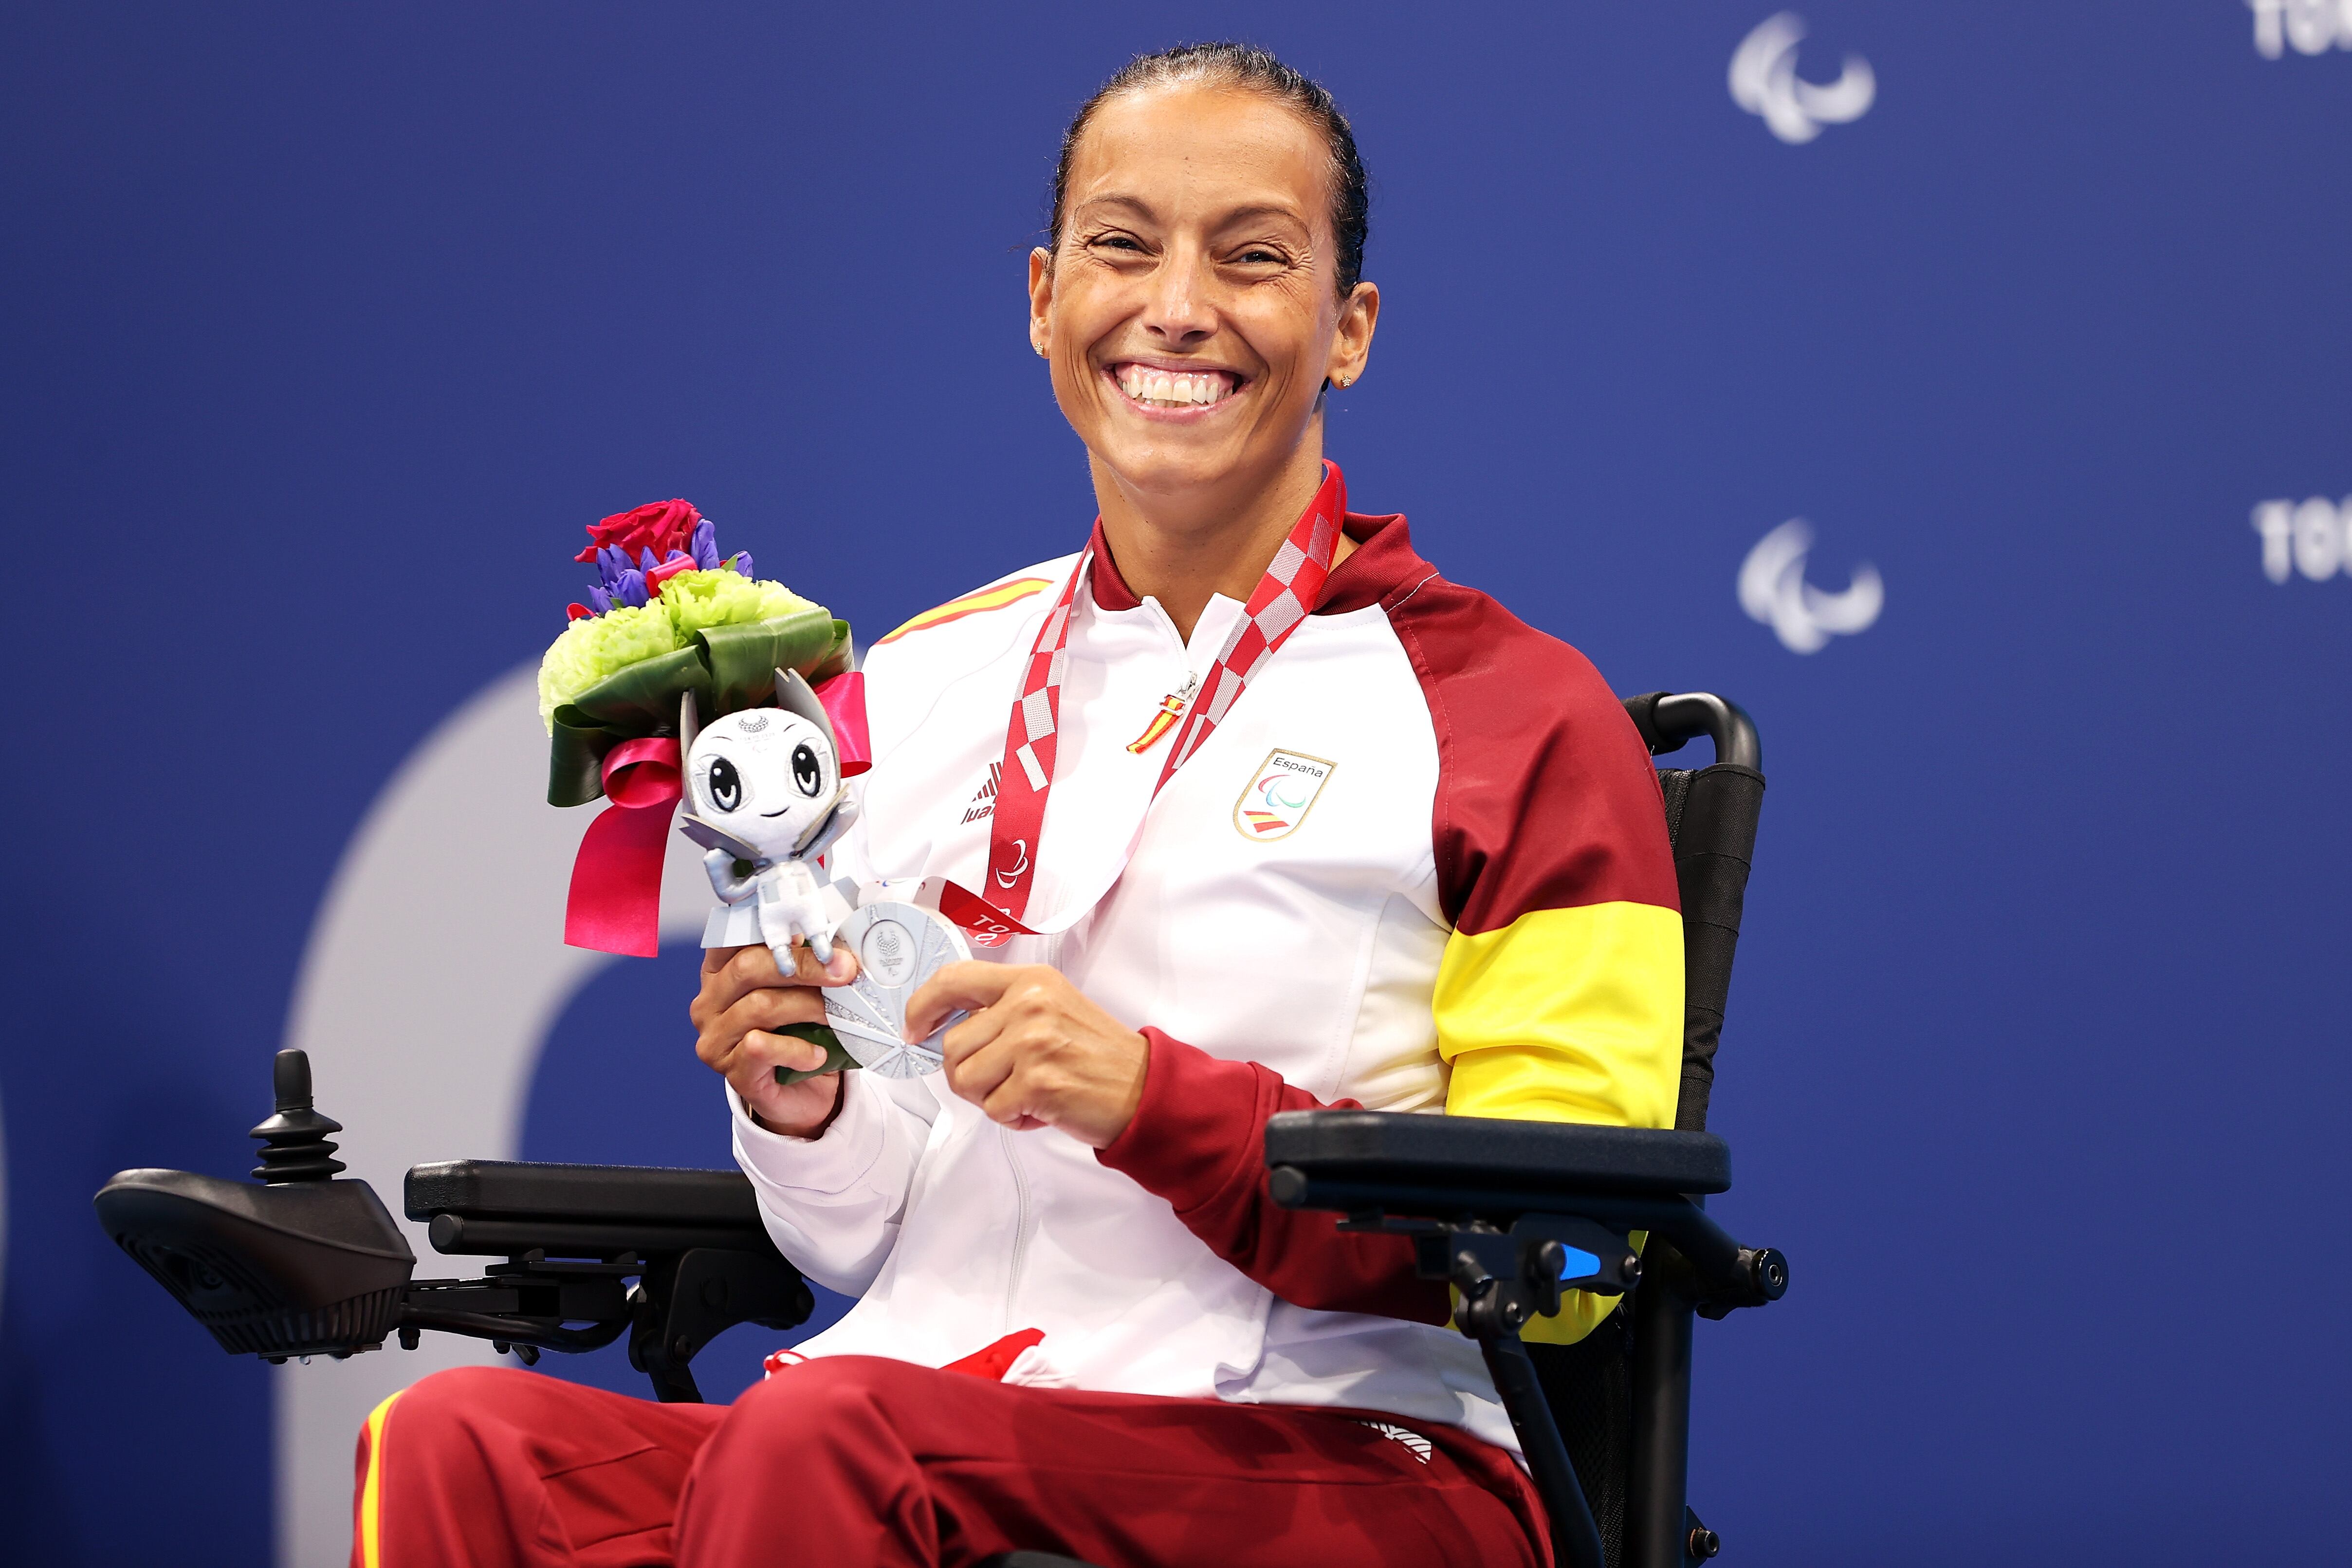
[1253, 70]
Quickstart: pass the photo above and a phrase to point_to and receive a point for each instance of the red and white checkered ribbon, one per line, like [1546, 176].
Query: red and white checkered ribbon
[1286, 596]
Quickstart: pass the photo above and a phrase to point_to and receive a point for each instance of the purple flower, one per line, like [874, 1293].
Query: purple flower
[645, 561]
[617, 581]
[741, 562]
[706, 545]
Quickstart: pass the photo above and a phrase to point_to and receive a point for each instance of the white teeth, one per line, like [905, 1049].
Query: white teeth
[1195, 388]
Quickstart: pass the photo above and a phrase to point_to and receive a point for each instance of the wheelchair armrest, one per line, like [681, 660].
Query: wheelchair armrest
[491, 1207]
[1485, 1162]
[511, 1189]
[694, 1240]
[1479, 1171]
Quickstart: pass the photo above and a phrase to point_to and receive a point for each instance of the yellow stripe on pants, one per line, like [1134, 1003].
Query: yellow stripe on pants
[372, 1488]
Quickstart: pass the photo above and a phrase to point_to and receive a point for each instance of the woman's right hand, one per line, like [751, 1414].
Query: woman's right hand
[743, 997]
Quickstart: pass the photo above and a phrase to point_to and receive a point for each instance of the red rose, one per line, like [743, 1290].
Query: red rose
[659, 526]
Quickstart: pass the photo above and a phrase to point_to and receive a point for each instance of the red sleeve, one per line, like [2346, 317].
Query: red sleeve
[1546, 797]
[1199, 1141]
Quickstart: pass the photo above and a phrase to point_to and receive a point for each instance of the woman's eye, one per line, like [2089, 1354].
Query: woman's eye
[1254, 257]
[726, 784]
[1116, 242]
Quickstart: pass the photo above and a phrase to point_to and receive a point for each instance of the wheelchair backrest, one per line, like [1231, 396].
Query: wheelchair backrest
[1711, 814]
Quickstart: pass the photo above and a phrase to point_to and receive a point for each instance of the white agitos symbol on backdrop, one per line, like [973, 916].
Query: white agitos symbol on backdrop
[1773, 590]
[1764, 81]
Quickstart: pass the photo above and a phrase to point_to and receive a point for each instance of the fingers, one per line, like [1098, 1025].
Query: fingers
[721, 1037]
[1017, 1080]
[728, 980]
[760, 1053]
[966, 1038]
[1040, 1054]
[1014, 1104]
[839, 969]
[746, 970]
[981, 1071]
[744, 999]
[798, 1109]
[973, 986]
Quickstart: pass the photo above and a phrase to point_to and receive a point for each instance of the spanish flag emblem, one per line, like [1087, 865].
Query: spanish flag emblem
[990, 598]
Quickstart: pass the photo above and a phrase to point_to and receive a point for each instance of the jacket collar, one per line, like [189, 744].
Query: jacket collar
[1384, 561]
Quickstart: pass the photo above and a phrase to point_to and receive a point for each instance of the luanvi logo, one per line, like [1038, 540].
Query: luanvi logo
[1773, 590]
[2313, 537]
[2308, 26]
[1764, 82]
[984, 804]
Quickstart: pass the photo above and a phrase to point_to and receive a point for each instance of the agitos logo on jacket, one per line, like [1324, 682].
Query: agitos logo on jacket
[1280, 794]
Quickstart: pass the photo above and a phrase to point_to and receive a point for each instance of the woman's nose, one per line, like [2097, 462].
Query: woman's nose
[1176, 312]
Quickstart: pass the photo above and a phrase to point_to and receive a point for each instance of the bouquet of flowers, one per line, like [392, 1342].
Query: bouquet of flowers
[668, 616]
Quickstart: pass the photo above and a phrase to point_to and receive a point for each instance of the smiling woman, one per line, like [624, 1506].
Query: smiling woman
[1324, 828]
[1201, 286]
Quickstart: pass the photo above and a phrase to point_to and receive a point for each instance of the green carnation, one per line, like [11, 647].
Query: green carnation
[600, 646]
[699, 600]
[597, 647]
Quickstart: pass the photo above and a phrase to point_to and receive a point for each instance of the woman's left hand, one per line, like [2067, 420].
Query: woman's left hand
[1035, 1052]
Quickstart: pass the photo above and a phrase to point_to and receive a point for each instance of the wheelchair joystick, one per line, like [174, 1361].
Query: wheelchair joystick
[300, 1265]
[294, 1143]
[304, 1261]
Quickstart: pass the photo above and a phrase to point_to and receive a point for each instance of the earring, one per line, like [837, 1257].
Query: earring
[1345, 381]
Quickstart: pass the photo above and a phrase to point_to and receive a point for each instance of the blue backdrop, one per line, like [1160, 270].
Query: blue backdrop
[325, 329]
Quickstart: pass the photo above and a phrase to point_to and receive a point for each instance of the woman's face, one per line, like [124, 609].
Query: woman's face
[1189, 313]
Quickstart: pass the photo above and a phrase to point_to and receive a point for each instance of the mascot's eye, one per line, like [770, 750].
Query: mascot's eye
[805, 771]
[726, 784]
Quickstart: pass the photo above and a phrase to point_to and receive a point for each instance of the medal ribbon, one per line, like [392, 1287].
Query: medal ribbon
[1283, 598]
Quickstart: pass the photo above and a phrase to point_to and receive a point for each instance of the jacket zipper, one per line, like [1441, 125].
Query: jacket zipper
[1053, 956]
[1019, 1222]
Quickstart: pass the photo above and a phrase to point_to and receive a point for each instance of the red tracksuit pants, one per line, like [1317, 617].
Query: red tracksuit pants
[859, 1462]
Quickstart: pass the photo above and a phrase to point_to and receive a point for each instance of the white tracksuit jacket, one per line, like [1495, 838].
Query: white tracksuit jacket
[1474, 910]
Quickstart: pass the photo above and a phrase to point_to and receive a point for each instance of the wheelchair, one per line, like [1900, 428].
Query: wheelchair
[1512, 1214]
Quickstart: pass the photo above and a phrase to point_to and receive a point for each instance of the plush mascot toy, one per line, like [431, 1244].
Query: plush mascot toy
[766, 797]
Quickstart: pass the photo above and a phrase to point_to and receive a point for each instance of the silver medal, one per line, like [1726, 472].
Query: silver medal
[898, 946]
